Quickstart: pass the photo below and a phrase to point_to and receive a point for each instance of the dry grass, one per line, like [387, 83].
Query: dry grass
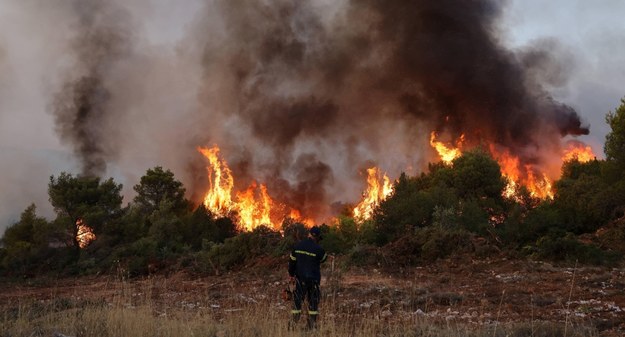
[128, 313]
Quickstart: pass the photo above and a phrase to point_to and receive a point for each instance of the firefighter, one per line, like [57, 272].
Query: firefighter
[304, 266]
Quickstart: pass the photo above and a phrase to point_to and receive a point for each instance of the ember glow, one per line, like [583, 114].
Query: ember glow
[447, 153]
[253, 205]
[377, 190]
[85, 235]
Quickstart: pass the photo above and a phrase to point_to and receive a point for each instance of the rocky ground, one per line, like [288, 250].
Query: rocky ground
[475, 293]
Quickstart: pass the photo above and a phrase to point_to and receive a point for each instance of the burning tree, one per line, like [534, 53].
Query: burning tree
[84, 201]
[84, 235]
[374, 194]
[471, 187]
[254, 206]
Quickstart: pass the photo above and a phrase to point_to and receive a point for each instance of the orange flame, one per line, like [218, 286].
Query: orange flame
[254, 212]
[510, 170]
[254, 206]
[578, 151]
[539, 186]
[447, 153]
[297, 216]
[375, 193]
[218, 198]
[85, 234]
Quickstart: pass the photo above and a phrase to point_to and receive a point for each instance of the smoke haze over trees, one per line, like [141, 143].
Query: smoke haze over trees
[301, 96]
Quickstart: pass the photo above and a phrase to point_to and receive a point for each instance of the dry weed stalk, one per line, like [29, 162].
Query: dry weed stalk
[498, 313]
[568, 303]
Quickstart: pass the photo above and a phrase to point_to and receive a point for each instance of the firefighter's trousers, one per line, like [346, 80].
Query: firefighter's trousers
[306, 290]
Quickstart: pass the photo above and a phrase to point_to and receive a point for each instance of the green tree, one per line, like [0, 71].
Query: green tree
[226, 228]
[166, 224]
[96, 203]
[199, 226]
[409, 206]
[158, 185]
[585, 197]
[476, 175]
[25, 240]
[614, 147]
[340, 237]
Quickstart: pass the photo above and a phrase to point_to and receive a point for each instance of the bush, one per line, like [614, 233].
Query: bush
[440, 243]
[613, 237]
[364, 255]
[428, 244]
[560, 247]
[341, 237]
[235, 251]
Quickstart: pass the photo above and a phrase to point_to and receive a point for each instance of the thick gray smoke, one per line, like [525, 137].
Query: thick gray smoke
[301, 78]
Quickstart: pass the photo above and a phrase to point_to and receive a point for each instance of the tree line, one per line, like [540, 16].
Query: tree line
[455, 208]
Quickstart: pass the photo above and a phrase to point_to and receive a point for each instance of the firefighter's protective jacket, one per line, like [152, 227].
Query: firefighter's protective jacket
[305, 260]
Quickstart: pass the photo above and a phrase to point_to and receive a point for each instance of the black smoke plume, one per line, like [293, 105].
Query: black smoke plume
[81, 108]
[365, 81]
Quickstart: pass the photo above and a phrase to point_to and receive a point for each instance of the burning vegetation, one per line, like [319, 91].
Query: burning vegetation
[84, 235]
[447, 153]
[538, 182]
[378, 189]
[253, 206]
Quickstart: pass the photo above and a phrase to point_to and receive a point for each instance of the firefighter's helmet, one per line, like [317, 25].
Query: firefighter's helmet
[316, 232]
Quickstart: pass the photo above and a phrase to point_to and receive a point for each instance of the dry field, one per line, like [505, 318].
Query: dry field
[449, 298]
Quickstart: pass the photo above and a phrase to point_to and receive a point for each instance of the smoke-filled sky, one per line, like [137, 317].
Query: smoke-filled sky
[300, 95]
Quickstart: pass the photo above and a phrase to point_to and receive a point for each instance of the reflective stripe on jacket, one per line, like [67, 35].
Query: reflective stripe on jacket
[305, 260]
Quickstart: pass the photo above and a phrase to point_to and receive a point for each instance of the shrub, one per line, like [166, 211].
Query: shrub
[428, 244]
[341, 237]
[440, 243]
[235, 251]
[364, 255]
[560, 247]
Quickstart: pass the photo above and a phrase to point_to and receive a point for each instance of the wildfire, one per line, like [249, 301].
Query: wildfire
[540, 187]
[218, 198]
[538, 184]
[447, 153]
[254, 212]
[254, 206]
[85, 234]
[297, 216]
[375, 193]
[510, 170]
[577, 150]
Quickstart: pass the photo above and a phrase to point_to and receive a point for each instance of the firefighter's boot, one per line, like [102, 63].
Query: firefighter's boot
[311, 324]
[294, 320]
